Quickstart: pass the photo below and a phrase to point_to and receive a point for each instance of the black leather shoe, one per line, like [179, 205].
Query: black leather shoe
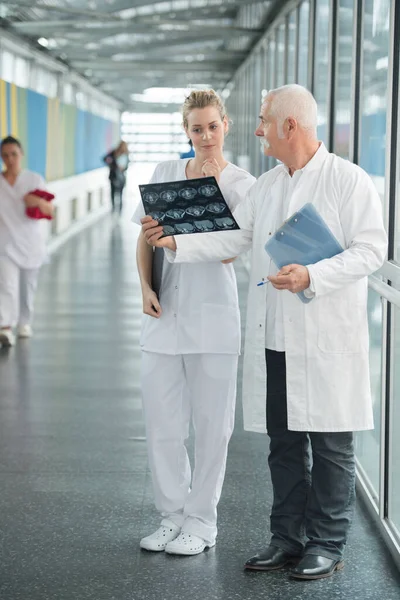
[270, 559]
[316, 567]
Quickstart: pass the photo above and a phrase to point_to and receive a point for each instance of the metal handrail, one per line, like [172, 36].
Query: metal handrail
[385, 290]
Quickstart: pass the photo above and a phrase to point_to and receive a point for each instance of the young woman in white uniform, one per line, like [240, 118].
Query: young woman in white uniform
[22, 245]
[191, 342]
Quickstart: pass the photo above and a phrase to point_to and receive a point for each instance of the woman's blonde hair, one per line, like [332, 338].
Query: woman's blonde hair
[122, 148]
[202, 99]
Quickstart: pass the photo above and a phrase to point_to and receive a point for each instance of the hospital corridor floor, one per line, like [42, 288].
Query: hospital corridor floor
[76, 495]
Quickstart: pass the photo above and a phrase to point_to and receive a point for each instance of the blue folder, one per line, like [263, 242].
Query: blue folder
[304, 239]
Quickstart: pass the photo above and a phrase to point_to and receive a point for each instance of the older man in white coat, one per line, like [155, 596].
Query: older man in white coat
[310, 360]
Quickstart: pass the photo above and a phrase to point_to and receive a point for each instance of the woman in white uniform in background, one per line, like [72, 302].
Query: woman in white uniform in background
[22, 244]
[191, 342]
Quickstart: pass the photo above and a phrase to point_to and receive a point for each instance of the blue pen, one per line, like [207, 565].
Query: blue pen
[268, 281]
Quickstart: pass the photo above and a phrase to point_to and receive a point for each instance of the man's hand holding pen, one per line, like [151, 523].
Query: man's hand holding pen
[294, 278]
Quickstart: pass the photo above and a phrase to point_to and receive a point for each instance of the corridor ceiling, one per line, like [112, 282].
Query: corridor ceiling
[124, 47]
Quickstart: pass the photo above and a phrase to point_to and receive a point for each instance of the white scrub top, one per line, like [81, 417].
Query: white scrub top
[200, 310]
[21, 238]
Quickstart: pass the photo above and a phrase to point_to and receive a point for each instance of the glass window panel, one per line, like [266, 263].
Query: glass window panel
[264, 87]
[45, 83]
[343, 79]
[258, 66]
[7, 66]
[303, 43]
[270, 162]
[151, 138]
[322, 66]
[21, 72]
[397, 217]
[367, 443]
[249, 113]
[147, 128]
[155, 158]
[271, 64]
[280, 55]
[154, 137]
[82, 101]
[394, 477]
[291, 54]
[374, 91]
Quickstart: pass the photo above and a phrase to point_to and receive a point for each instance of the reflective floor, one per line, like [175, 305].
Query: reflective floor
[75, 490]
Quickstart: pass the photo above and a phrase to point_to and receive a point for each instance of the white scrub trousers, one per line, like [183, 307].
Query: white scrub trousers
[174, 388]
[17, 293]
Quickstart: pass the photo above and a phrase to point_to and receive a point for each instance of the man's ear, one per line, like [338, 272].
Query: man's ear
[290, 126]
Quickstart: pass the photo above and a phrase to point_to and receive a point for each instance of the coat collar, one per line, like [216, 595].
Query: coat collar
[315, 162]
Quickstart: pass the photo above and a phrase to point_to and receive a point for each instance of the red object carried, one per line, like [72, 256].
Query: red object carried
[34, 212]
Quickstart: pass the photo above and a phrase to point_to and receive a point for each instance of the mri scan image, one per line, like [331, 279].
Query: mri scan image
[216, 207]
[188, 193]
[175, 213]
[150, 197]
[168, 230]
[195, 211]
[205, 225]
[184, 228]
[157, 215]
[208, 190]
[168, 196]
[224, 223]
[188, 206]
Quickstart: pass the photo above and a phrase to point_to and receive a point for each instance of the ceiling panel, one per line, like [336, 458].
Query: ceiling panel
[127, 46]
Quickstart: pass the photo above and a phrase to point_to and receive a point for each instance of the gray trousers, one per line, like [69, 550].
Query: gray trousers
[313, 477]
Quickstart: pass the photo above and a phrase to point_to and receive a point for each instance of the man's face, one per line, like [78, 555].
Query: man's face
[267, 132]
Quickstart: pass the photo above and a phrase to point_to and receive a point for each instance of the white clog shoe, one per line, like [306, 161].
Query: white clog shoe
[187, 544]
[7, 338]
[157, 541]
[25, 331]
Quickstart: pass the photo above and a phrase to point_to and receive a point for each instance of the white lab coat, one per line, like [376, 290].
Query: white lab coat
[21, 238]
[199, 302]
[327, 345]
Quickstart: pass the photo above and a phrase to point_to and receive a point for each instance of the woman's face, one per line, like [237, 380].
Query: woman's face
[11, 155]
[207, 130]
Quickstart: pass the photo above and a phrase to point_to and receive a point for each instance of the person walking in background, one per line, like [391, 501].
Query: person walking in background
[118, 163]
[190, 341]
[22, 243]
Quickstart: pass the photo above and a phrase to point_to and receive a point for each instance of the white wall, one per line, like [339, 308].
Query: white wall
[79, 201]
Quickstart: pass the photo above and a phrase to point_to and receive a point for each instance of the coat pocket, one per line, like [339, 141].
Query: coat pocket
[220, 328]
[341, 325]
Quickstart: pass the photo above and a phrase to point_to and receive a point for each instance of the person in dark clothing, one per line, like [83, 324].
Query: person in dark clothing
[118, 162]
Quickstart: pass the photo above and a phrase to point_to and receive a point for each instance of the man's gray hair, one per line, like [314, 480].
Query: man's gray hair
[293, 101]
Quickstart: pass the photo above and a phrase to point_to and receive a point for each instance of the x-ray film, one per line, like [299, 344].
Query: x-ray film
[188, 206]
